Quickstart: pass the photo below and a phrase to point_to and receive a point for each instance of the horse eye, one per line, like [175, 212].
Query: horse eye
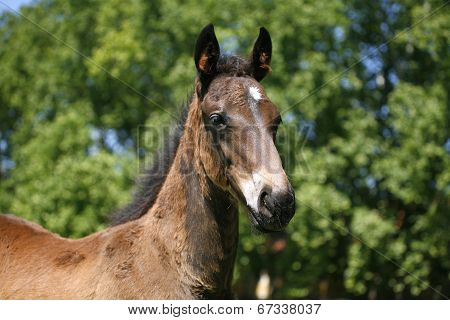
[217, 120]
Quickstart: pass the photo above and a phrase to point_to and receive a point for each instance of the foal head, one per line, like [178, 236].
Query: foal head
[241, 123]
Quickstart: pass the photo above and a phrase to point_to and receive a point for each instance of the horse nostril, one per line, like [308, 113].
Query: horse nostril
[266, 204]
[264, 199]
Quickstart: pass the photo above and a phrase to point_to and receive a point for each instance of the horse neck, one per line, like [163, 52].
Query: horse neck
[196, 218]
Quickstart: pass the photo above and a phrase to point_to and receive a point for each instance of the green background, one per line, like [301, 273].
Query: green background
[370, 158]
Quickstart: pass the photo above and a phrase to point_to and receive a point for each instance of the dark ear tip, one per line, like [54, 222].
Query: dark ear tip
[263, 32]
[208, 28]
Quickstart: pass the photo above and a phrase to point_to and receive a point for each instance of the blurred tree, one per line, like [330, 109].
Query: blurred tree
[78, 78]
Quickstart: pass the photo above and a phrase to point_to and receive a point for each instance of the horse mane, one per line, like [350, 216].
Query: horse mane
[153, 178]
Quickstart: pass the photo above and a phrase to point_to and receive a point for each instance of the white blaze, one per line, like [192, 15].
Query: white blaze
[254, 93]
[251, 188]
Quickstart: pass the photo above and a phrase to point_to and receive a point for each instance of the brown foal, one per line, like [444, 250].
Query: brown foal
[178, 237]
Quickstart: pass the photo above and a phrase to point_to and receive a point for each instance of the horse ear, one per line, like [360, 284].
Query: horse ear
[262, 54]
[207, 51]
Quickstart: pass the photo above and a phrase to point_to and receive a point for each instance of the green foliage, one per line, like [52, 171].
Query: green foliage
[368, 153]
